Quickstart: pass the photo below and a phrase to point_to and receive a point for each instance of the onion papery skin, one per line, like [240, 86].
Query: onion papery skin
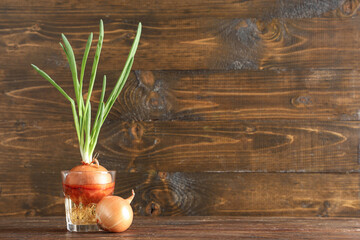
[114, 214]
[88, 168]
[88, 184]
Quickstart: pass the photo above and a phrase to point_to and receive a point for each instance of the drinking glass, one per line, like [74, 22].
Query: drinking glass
[82, 191]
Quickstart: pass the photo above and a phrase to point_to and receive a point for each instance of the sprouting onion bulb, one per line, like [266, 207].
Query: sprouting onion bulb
[114, 213]
[81, 108]
[88, 174]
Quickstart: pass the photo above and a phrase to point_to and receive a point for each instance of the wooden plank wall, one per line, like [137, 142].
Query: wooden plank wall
[233, 108]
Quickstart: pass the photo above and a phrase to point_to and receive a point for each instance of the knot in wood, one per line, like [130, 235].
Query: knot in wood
[136, 132]
[35, 27]
[269, 30]
[301, 101]
[155, 101]
[30, 213]
[250, 130]
[145, 78]
[349, 7]
[247, 33]
[162, 175]
[324, 209]
[153, 94]
[20, 125]
[153, 209]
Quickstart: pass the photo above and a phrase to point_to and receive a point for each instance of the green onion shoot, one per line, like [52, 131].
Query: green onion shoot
[81, 108]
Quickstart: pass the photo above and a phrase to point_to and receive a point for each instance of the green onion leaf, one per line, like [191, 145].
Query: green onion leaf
[97, 128]
[83, 66]
[87, 129]
[47, 77]
[96, 62]
[124, 74]
[72, 63]
[98, 115]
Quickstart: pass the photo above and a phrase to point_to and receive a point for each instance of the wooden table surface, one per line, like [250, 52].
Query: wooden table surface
[191, 228]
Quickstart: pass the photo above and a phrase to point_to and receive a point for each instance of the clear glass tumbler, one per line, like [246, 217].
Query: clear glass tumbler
[82, 191]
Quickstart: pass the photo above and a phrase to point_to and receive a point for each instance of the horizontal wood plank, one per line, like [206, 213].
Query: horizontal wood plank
[196, 95]
[264, 146]
[232, 95]
[176, 193]
[251, 194]
[175, 9]
[245, 146]
[192, 43]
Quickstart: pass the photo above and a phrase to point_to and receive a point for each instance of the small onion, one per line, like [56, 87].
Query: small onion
[114, 213]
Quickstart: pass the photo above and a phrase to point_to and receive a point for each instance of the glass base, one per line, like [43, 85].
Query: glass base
[80, 218]
[83, 228]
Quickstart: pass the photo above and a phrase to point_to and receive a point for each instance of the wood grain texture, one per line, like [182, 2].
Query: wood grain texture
[233, 146]
[147, 130]
[250, 146]
[175, 9]
[233, 107]
[193, 43]
[191, 228]
[233, 95]
[178, 193]
[196, 95]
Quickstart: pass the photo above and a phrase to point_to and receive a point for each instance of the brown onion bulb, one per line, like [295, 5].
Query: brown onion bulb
[88, 183]
[114, 213]
[88, 174]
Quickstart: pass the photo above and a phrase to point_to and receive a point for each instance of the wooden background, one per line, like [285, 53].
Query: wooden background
[233, 107]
